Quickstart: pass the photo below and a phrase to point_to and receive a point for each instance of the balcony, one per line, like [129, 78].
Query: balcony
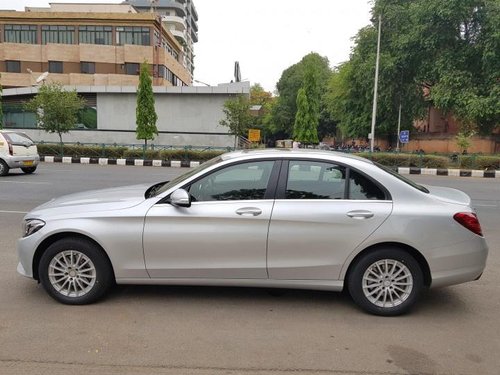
[180, 34]
[161, 4]
[178, 22]
[194, 25]
[194, 36]
[194, 12]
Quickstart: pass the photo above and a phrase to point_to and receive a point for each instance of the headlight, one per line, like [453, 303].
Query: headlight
[31, 226]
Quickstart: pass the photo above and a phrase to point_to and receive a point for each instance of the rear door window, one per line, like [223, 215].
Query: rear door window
[315, 180]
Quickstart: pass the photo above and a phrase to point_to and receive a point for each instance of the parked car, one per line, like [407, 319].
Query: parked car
[269, 218]
[17, 150]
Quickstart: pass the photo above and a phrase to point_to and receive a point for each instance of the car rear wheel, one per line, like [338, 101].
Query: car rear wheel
[386, 282]
[28, 170]
[75, 271]
[4, 168]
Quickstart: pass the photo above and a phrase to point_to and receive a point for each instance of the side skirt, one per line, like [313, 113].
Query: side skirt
[333, 285]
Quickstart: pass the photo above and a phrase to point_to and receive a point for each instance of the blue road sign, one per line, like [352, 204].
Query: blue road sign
[404, 136]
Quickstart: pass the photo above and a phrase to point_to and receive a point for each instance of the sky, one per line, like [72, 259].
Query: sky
[264, 36]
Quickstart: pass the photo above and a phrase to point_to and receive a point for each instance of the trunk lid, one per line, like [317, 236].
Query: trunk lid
[449, 195]
[20, 144]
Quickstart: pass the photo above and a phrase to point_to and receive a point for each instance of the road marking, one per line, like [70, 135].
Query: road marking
[26, 182]
[13, 212]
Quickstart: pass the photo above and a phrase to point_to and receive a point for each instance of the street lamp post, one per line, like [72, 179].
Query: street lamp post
[203, 83]
[374, 112]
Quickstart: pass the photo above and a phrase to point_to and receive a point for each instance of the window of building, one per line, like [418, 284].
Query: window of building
[162, 71]
[157, 40]
[133, 35]
[170, 50]
[132, 68]
[58, 34]
[55, 67]
[87, 67]
[13, 66]
[20, 34]
[95, 35]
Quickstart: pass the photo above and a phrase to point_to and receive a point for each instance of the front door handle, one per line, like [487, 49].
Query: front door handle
[249, 211]
[360, 214]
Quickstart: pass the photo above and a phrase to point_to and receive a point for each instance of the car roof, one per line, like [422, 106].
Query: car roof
[292, 152]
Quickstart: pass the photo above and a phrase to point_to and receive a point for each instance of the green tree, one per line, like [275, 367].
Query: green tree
[237, 116]
[304, 130]
[145, 113]
[440, 53]
[263, 99]
[292, 79]
[464, 140]
[56, 110]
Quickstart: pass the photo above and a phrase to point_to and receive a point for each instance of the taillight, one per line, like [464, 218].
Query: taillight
[470, 221]
[11, 150]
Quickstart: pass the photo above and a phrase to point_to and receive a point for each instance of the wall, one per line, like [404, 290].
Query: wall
[176, 112]
[186, 115]
[485, 145]
[119, 137]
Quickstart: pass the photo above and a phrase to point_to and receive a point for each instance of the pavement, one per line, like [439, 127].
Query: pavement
[209, 330]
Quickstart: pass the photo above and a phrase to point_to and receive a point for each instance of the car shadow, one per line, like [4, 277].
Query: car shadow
[229, 294]
[444, 302]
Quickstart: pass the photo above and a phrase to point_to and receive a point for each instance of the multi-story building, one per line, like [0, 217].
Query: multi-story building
[88, 44]
[180, 18]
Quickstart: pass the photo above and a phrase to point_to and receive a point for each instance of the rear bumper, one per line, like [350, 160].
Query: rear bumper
[22, 161]
[458, 263]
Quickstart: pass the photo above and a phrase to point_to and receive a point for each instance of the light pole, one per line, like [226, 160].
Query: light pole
[203, 83]
[374, 112]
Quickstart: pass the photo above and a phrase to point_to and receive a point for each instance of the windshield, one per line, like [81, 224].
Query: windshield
[402, 178]
[169, 184]
[18, 139]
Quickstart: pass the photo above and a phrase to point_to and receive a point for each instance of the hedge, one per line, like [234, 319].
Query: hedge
[479, 162]
[124, 152]
[407, 160]
[389, 159]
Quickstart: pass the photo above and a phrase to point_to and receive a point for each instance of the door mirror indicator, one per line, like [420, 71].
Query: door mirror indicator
[180, 198]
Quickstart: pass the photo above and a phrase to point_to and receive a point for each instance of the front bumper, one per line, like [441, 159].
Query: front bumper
[26, 248]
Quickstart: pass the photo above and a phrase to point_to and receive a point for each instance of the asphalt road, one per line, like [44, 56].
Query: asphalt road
[190, 330]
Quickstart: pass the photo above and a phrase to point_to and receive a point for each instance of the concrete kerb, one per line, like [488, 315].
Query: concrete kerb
[121, 162]
[193, 164]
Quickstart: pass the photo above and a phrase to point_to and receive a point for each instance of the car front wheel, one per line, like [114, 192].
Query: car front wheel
[386, 282]
[75, 271]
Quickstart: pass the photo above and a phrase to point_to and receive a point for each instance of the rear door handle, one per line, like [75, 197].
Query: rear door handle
[249, 211]
[360, 214]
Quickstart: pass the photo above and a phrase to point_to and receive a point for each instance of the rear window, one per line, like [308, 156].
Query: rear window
[18, 138]
[402, 178]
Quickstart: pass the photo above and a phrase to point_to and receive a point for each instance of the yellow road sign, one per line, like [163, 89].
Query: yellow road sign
[254, 135]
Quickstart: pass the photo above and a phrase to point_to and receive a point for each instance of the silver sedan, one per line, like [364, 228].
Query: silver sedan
[270, 218]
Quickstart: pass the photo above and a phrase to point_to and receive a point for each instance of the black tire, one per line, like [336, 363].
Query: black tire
[103, 274]
[397, 259]
[28, 170]
[4, 168]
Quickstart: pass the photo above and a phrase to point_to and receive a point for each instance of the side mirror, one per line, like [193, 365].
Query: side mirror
[180, 198]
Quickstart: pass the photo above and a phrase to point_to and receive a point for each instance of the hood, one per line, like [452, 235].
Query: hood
[96, 200]
[449, 195]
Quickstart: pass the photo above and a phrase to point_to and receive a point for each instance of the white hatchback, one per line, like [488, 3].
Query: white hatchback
[17, 150]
